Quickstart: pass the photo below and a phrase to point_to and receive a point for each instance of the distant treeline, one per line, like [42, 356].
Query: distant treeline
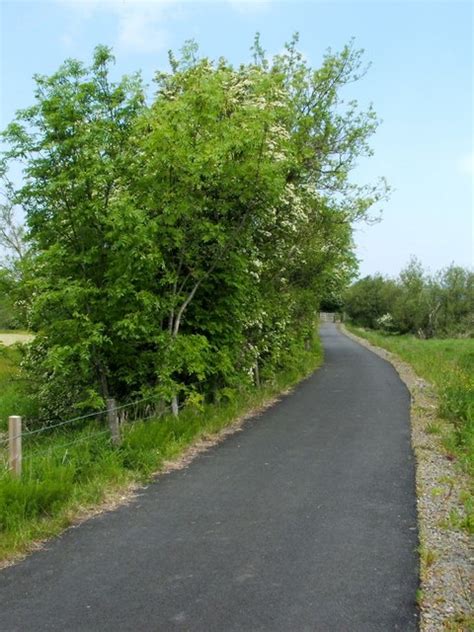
[428, 305]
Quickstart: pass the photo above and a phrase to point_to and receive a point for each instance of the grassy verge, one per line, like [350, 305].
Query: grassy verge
[61, 483]
[448, 364]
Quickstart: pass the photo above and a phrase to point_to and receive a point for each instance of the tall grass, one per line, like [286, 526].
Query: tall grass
[69, 471]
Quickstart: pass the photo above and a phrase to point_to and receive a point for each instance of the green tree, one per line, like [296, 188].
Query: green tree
[7, 288]
[417, 302]
[183, 247]
[12, 231]
[369, 299]
[71, 144]
[453, 301]
[16, 262]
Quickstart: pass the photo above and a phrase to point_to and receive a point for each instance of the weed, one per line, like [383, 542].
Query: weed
[419, 597]
[427, 556]
[433, 428]
[457, 519]
[461, 622]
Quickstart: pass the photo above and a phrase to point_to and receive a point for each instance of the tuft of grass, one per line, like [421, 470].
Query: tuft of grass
[461, 519]
[433, 428]
[67, 472]
[427, 556]
[420, 597]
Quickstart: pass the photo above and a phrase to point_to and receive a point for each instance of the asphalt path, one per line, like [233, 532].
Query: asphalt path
[304, 521]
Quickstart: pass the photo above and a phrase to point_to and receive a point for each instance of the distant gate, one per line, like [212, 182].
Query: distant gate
[331, 317]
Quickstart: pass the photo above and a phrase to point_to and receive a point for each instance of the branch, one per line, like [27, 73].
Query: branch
[189, 298]
[11, 233]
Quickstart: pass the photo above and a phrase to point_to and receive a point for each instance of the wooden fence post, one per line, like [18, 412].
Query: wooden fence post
[14, 443]
[112, 418]
[256, 374]
[174, 406]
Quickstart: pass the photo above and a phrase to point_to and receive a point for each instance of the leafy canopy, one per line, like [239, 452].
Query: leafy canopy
[182, 247]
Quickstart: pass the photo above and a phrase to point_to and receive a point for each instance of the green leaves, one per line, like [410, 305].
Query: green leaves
[183, 247]
[427, 305]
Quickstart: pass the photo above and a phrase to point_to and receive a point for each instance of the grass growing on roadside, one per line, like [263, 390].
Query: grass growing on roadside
[59, 483]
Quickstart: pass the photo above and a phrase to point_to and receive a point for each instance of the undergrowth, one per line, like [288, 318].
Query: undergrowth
[14, 392]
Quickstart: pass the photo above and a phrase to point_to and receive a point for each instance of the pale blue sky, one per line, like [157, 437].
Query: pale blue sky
[421, 84]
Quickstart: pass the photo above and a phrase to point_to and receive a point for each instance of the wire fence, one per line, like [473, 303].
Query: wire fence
[116, 416]
[57, 447]
[123, 418]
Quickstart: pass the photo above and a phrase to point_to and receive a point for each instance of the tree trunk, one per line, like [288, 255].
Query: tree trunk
[103, 380]
[182, 309]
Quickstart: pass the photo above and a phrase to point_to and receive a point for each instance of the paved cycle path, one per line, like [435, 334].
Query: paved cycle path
[305, 521]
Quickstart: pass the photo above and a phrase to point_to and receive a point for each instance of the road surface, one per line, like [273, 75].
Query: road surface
[305, 521]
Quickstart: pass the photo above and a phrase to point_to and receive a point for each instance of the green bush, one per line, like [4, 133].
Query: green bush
[15, 391]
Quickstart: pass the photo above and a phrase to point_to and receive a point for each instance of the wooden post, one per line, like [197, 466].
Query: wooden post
[256, 374]
[174, 405]
[112, 418]
[14, 442]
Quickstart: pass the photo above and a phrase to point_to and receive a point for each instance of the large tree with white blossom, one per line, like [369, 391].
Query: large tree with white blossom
[183, 247]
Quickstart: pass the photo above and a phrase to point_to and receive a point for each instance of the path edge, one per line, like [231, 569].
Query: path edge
[445, 553]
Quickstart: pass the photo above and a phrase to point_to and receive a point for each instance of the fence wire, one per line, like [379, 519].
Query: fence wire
[128, 414]
[62, 446]
[51, 426]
